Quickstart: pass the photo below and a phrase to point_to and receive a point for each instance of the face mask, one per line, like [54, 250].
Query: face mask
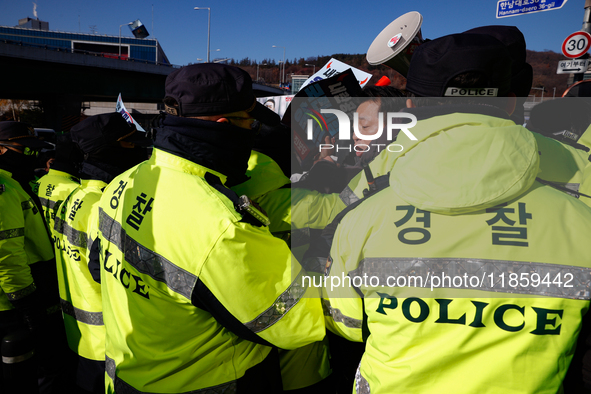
[21, 167]
[17, 162]
[122, 158]
[222, 147]
[131, 157]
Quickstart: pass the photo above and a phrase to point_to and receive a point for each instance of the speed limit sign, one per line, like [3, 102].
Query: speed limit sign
[576, 45]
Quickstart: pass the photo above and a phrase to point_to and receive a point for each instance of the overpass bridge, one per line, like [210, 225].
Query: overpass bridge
[62, 79]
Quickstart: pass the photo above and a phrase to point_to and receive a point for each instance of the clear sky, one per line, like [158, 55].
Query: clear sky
[305, 28]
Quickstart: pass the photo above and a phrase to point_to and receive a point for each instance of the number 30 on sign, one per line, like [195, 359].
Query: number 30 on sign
[576, 45]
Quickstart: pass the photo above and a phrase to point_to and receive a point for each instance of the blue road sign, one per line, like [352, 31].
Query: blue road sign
[506, 8]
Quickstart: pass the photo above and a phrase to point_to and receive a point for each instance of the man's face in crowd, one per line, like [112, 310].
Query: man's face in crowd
[368, 124]
[240, 119]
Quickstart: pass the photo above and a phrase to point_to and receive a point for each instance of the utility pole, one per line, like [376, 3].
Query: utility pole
[586, 27]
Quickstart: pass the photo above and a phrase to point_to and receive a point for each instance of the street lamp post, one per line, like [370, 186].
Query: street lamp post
[313, 65]
[156, 47]
[208, 26]
[283, 74]
[280, 65]
[125, 24]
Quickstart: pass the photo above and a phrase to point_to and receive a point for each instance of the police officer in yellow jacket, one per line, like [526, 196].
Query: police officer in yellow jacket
[61, 179]
[306, 369]
[28, 283]
[24, 240]
[108, 143]
[196, 291]
[462, 276]
[268, 186]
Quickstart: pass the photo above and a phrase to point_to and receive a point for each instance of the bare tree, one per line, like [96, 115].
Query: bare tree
[13, 108]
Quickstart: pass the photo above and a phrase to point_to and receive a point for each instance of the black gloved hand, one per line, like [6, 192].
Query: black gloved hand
[31, 308]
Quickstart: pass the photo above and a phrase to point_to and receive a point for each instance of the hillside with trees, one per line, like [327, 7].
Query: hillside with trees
[544, 65]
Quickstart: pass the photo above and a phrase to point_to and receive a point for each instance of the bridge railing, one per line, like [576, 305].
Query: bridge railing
[89, 53]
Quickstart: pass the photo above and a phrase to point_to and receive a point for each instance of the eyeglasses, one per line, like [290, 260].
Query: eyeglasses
[254, 124]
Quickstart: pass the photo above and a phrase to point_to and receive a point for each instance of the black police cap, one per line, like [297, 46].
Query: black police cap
[514, 41]
[435, 63]
[102, 130]
[20, 133]
[214, 89]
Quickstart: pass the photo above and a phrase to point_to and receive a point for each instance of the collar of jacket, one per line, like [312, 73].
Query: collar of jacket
[464, 162]
[100, 171]
[92, 183]
[264, 174]
[68, 168]
[59, 173]
[166, 159]
[63, 174]
[222, 147]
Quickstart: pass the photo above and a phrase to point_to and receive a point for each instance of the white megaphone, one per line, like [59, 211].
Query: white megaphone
[395, 45]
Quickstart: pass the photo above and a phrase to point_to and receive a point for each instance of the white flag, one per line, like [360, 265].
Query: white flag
[126, 115]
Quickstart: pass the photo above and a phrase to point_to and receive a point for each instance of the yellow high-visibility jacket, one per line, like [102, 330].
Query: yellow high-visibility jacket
[54, 187]
[23, 241]
[193, 294]
[310, 364]
[465, 275]
[80, 295]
